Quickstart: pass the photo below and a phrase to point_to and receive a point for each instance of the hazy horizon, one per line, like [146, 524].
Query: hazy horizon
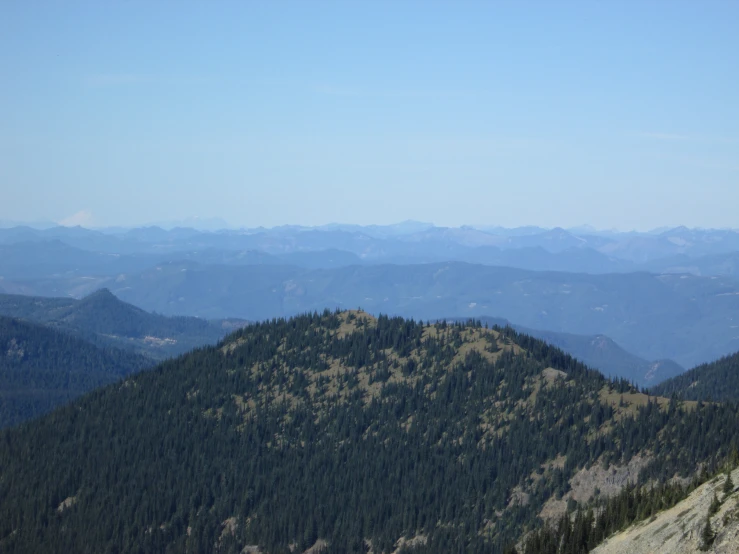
[220, 224]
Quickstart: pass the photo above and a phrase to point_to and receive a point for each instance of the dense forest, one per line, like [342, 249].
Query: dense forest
[718, 381]
[338, 429]
[41, 368]
[72, 346]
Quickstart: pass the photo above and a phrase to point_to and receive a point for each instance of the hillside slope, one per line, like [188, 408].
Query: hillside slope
[679, 530]
[345, 431]
[717, 381]
[41, 368]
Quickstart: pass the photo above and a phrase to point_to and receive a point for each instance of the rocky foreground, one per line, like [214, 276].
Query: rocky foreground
[681, 528]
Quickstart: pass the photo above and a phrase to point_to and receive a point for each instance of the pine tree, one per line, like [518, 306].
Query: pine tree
[728, 483]
[715, 506]
[707, 535]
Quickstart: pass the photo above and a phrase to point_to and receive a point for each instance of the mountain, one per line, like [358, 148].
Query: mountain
[329, 258]
[713, 264]
[41, 368]
[717, 381]
[596, 351]
[26, 252]
[603, 354]
[54, 258]
[555, 240]
[381, 231]
[574, 260]
[343, 433]
[686, 318]
[107, 321]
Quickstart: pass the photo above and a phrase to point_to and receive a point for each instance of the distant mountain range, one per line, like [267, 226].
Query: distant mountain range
[685, 318]
[670, 294]
[581, 250]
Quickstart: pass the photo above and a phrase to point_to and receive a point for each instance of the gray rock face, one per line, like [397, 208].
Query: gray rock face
[679, 529]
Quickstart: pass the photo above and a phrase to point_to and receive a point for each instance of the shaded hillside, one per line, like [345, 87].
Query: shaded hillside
[108, 321]
[345, 431]
[41, 368]
[717, 380]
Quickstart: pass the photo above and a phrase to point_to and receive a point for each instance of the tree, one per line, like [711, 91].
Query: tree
[728, 483]
[707, 535]
[715, 506]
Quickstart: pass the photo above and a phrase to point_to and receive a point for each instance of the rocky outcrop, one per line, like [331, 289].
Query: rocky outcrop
[679, 530]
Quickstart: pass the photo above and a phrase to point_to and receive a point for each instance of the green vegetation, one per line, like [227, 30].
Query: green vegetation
[81, 345]
[41, 368]
[717, 381]
[728, 487]
[707, 535]
[338, 427]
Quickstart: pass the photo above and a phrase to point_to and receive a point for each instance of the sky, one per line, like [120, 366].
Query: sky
[617, 114]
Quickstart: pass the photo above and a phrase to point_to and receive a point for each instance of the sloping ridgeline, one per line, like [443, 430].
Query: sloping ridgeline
[717, 381]
[41, 368]
[106, 321]
[337, 430]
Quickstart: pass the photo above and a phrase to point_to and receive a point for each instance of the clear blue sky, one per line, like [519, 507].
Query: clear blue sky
[616, 114]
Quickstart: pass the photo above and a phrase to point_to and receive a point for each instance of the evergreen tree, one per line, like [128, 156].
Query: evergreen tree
[707, 535]
[728, 483]
[715, 506]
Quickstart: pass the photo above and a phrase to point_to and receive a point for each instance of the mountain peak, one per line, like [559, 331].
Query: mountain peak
[101, 294]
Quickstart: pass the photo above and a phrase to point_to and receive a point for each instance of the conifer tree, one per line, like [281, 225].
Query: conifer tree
[707, 535]
[728, 483]
[715, 506]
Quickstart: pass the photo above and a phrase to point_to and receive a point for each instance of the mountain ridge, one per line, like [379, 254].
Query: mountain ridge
[454, 433]
[105, 320]
[713, 381]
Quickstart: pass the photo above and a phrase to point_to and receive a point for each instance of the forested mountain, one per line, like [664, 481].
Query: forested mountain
[717, 381]
[685, 318]
[107, 321]
[41, 368]
[345, 432]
